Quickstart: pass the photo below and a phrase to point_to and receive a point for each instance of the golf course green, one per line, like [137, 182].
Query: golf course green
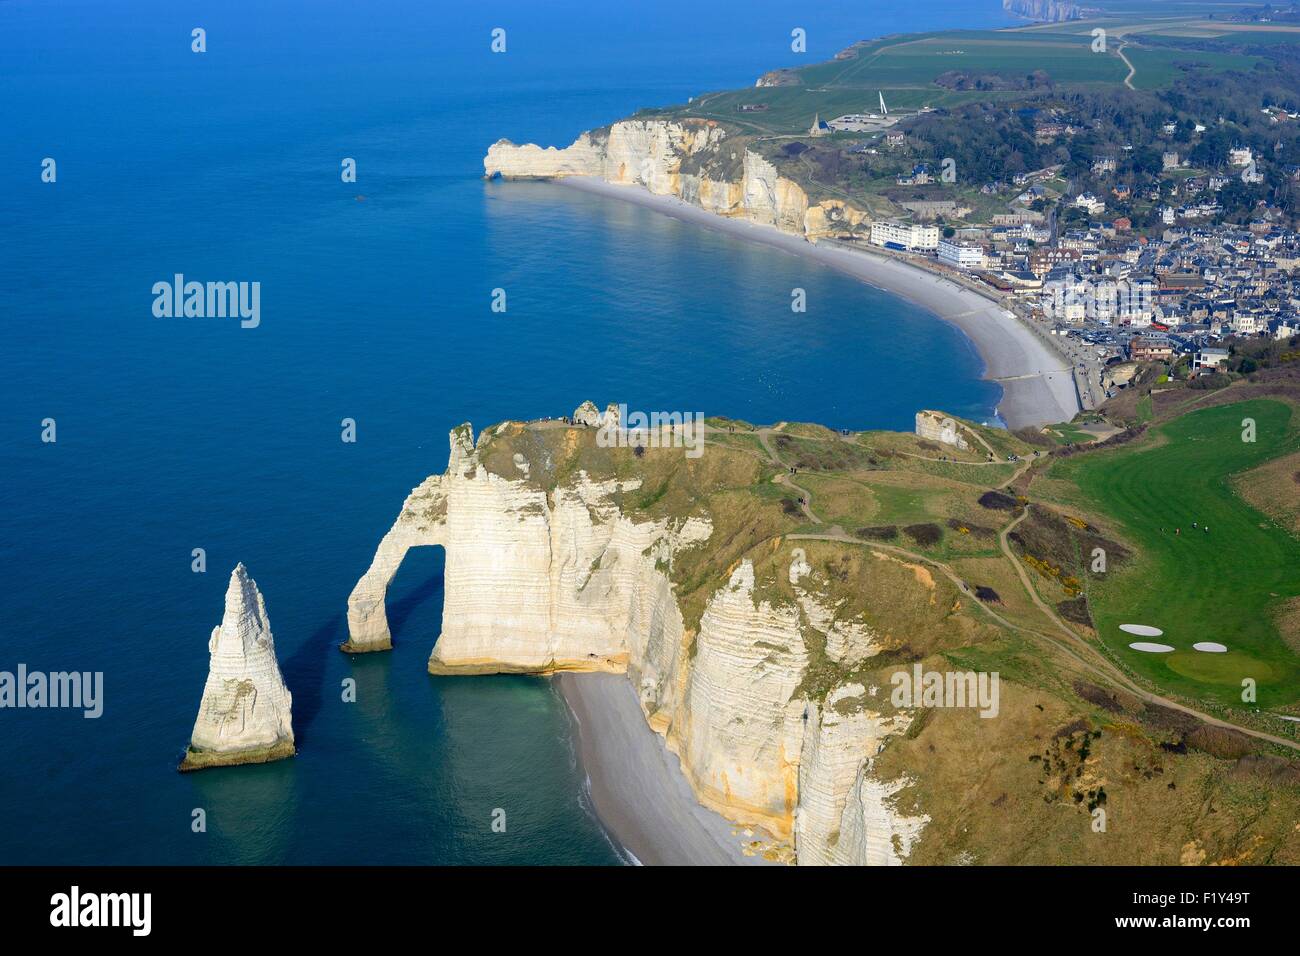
[1209, 567]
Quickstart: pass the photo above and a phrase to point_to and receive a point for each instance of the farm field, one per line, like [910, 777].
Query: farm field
[1156, 67]
[905, 70]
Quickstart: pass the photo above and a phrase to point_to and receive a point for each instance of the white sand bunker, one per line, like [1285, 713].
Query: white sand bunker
[1211, 647]
[1149, 648]
[1141, 630]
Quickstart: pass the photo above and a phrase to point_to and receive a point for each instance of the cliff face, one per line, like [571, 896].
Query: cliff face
[936, 426]
[847, 816]
[1051, 11]
[767, 649]
[245, 715]
[545, 576]
[695, 160]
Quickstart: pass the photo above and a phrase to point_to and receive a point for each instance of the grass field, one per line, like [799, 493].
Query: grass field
[1068, 434]
[1229, 585]
[1156, 67]
[1167, 8]
[905, 68]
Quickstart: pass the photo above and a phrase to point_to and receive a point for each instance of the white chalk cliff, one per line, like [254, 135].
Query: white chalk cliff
[541, 580]
[695, 160]
[936, 426]
[245, 715]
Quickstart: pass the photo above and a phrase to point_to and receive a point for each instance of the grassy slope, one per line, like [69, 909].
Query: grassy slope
[904, 68]
[1158, 67]
[1009, 790]
[1225, 586]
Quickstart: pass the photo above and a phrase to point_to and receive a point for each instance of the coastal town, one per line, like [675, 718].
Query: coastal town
[818, 436]
[1130, 191]
[1191, 294]
[1200, 299]
[1197, 283]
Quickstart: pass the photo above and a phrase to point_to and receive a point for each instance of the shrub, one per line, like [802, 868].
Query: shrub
[997, 501]
[886, 532]
[924, 534]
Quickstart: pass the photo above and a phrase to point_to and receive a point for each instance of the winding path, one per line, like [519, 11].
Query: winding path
[783, 478]
[1132, 70]
[1071, 643]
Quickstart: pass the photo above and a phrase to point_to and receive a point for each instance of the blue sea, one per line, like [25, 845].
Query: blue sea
[182, 433]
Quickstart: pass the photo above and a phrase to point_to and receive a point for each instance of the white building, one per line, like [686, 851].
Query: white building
[1136, 299]
[1065, 297]
[1091, 203]
[910, 237]
[1209, 358]
[1248, 323]
[963, 255]
[1240, 156]
[1072, 299]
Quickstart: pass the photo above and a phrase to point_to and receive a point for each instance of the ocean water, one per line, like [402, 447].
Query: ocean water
[175, 434]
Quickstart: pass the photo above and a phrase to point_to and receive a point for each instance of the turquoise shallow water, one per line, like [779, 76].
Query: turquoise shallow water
[182, 433]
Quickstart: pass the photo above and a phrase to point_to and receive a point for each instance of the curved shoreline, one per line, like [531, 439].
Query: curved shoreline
[637, 789]
[1037, 382]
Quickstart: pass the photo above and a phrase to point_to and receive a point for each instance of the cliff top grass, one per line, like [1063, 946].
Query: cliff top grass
[905, 559]
[907, 68]
[938, 507]
[910, 611]
[1022, 789]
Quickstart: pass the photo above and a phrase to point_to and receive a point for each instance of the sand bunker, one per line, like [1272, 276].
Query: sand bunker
[1211, 647]
[1147, 647]
[1141, 630]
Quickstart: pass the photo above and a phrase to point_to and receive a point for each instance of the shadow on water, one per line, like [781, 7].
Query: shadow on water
[402, 609]
[304, 673]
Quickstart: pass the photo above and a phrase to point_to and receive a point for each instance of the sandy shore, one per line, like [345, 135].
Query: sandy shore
[1037, 382]
[637, 787]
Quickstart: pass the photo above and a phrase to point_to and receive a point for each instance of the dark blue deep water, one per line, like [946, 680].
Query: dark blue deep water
[175, 434]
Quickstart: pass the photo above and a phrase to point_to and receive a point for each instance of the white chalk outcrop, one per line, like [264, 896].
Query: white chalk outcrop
[538, 581]
[936, 426]
[245, 715]
[695, 160]
[846, 815]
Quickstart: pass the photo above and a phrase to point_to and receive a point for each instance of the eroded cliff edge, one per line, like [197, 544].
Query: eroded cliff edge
[698, 161]
[561, 555]
[763, 641]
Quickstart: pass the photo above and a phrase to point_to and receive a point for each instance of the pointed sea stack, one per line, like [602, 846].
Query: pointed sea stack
[245, 713]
